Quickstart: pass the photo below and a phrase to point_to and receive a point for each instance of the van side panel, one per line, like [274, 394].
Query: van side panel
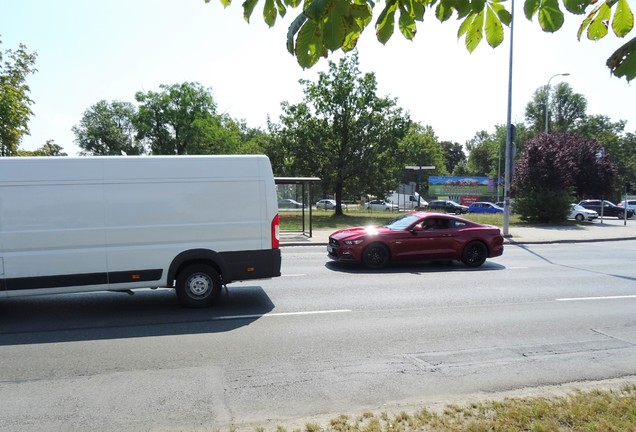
[95, 223]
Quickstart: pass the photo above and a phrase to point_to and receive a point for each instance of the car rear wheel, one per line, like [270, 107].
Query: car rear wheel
[475, 254]
[198, 285]
[375, 256]
[579, 217]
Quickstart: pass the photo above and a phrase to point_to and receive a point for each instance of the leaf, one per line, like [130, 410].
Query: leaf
[334, 27]
[309, 45]
[478, 5]
[317, 9]
[293, 3]
[622, 62]
[586, 22]
[248, 8]
[475, 31]
[599, 26]
[623, 21]
[493, 29]
[270, 13]
[504, 16]
[294, 27]
[463, 8]
[282, 10]
[386, 22]
[530, 8]
[577, 7]
[407, 25]
[225, 3]
[359, 18]
[550, 16]
[444, 10]
[463, 28]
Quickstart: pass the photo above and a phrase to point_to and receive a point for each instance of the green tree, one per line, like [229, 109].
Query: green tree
[108, 129]
[420, 147]
[325, 26]
[15, 103]
[453, 155]
[177, 119]
[50, 148]
[483, 154]
[619, 147]
[343, 132]
[566, 109]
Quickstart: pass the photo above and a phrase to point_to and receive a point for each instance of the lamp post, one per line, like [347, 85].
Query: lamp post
[508, 160]
[547, 97]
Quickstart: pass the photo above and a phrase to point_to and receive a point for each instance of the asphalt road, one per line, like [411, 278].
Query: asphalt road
[323, 339]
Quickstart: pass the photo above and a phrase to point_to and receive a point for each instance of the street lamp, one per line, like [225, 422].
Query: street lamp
[547, 97]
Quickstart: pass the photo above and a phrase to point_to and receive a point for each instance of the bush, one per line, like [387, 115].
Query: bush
[551, 206]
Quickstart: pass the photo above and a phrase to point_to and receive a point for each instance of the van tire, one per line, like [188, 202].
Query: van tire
[198, 286]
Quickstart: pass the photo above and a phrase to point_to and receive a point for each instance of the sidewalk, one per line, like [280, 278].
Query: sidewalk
[610, 229]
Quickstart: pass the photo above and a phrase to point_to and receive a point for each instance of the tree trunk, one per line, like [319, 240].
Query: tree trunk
[339, 184]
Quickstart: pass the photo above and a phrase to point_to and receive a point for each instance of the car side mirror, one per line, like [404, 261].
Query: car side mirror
[416, 229]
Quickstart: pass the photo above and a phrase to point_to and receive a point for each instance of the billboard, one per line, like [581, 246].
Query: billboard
[462, 186]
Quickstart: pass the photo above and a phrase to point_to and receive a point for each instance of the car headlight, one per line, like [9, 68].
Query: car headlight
[353, 242]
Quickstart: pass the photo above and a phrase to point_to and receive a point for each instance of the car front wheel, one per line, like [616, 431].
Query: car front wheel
[375, 256]
[475, 254]
[579, 217]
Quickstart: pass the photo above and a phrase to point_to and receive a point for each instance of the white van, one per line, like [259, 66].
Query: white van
[407, 201]
[79, 224]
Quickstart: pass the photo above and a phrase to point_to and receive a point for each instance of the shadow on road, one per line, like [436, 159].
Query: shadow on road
[105, 315]
[415, 267]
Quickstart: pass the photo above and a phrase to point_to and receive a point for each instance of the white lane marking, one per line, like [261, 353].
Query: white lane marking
[516, 268]
[596, 298]
[293, 274]
[282, 314]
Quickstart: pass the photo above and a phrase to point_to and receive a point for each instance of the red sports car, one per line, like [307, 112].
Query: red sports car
[417, 236]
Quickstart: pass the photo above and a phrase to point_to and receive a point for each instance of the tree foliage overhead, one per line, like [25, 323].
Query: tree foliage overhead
[342, 132]
[15, 102]
[325, 26]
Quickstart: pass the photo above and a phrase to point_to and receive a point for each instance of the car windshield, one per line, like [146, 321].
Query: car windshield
[578, 207]
[402, 222]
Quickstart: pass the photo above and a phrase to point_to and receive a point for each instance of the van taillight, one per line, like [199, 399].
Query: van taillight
[275, 232]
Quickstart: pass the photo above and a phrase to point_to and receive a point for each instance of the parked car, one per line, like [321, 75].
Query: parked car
[484, 207]
[289, 204]
[608, 208]
[581, 214]
[417, 236]
[631, 204]
[447, 206]
[381, 205]
[326, 204]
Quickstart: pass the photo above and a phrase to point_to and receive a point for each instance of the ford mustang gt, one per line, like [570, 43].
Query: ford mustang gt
[417, 236]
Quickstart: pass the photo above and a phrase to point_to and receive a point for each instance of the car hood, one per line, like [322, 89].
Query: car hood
[357, 232]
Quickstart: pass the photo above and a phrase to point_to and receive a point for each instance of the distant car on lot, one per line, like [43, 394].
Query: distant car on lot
[381, 205]
[447, 206]
[289, 204]
[631, 205]
[608, 208]
[326, 204]
[484, 207]
[581, 214]
[417, 236]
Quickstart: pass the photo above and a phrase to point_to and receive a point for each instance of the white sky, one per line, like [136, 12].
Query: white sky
[110, 49]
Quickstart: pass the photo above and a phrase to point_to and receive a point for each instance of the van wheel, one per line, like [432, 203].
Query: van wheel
[475, 254]
[198, 285]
